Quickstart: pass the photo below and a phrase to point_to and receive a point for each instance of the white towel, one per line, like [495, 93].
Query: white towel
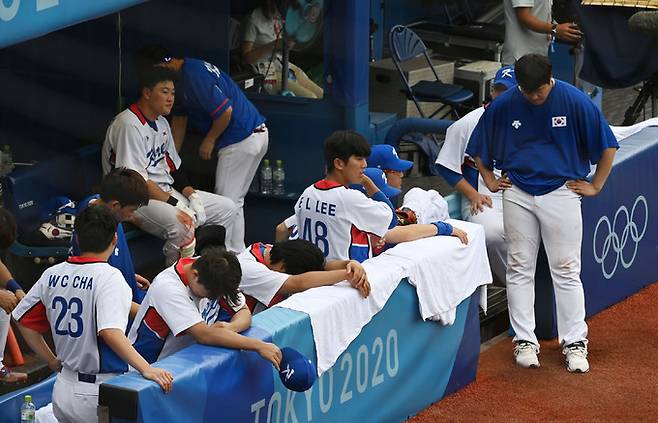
[429, 205]
[445, 271]
[339, 312]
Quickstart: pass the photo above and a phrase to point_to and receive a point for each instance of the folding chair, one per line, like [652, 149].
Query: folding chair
[406, 45]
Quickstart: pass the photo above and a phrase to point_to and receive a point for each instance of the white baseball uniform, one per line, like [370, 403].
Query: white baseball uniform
[148, 148]
[453, 156]
[338, 220]
[168, 309]
[259, 281]
[76, 300]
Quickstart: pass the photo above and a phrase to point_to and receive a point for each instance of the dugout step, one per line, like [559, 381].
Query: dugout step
[36, 371]
[496, 321]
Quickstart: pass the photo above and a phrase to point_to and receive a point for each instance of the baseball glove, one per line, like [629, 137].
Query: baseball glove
[406, 216]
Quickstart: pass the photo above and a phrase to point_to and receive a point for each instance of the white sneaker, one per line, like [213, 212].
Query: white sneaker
[525, 354]
[576, 357]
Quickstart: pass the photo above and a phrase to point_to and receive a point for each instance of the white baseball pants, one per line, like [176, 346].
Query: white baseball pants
[236, 167]
[160, 219]
[554, 218]
[75, 401]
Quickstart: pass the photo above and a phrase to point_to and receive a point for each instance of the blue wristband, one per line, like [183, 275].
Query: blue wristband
[13, 286]
[443, 228]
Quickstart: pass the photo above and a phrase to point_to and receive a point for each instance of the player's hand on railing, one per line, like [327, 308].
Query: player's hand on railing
[159, 376]
[142, 282]
[196, 204]
[463, 236]
[356, 276]
[478, 202]
[584, 188]
[7, 301]
[271, 353]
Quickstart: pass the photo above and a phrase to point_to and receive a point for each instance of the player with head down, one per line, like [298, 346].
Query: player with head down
[169, 317]
[544, 135]
[84, 303]
[479, 205]
[122, 191]
[140, 138]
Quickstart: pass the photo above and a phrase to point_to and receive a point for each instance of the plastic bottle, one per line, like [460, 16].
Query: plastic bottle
[7, 160]
[266, 178]
[28, 410]
[279, 177]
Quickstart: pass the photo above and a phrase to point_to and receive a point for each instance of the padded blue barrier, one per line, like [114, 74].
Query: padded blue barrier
[397, 366]
[10, 404]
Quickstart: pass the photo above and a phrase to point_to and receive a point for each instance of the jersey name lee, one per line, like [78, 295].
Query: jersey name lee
[317, 206]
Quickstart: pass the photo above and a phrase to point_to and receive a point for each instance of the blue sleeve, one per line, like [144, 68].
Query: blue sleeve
[204, 86]
[75, 249]
[478, 144]
[379, 196]
[443, 228]
[450, 176]
[595, 133]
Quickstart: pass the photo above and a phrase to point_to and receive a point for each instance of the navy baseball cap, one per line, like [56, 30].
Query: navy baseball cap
[379, 178]
[297, 372]
[505, 77]
[384, 156]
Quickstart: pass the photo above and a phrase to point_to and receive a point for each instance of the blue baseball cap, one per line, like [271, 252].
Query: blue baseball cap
[58, 205]
[384, 157]
[506, 77]
[379, 178]
[297, 372]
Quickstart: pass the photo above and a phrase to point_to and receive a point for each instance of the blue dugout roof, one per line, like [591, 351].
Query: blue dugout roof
[21, 20]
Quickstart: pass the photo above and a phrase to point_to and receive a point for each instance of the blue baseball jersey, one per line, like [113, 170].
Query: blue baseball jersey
[206, 94]
[120, 259]
[542, 147]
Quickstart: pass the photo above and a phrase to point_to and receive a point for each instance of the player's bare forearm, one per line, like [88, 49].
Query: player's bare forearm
[241, 320]
[221, 337]
[527, 19]
[603, 168]
[308, 280]
[178, 129]
[5, 275]
[409, 233]
[281, 233]
[219, 125]
[134, 308]
[466, 189]
[39, 346]
[155, 192]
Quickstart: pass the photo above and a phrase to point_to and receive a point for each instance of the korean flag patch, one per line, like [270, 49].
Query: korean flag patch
[559, 121]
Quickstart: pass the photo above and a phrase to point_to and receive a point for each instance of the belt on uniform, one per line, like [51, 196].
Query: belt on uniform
[84, 377]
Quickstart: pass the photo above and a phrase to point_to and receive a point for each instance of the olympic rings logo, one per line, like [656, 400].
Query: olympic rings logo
[614, 243]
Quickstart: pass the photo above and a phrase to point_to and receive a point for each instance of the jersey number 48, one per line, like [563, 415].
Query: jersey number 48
[317, 234]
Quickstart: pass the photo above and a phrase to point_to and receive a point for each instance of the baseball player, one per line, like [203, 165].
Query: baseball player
[122, 191]
[543, 135]
[335, 218]
[140, 138]
[169, 318]
[10, 294]
[270, 273]
[479, 205]
[227, 122]
[84, 302]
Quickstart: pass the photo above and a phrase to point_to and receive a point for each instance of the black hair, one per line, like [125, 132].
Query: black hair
[343, 145]
[269, 8]
[7, 228]
[220, 273]
[151, 55]
[532, 71]
[149, 77]
[297, 256]
[125, 186]
[95, 227]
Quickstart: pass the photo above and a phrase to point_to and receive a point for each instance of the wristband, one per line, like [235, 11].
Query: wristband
[443, 228]
[554, 31]
[13, 286]
[172, 200]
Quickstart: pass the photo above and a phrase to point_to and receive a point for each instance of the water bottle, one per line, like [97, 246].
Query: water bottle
[28, 410]
[279, 177]
[266, 178]
[7, 160]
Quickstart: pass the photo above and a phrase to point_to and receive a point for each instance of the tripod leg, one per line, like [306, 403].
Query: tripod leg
[633, 112]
